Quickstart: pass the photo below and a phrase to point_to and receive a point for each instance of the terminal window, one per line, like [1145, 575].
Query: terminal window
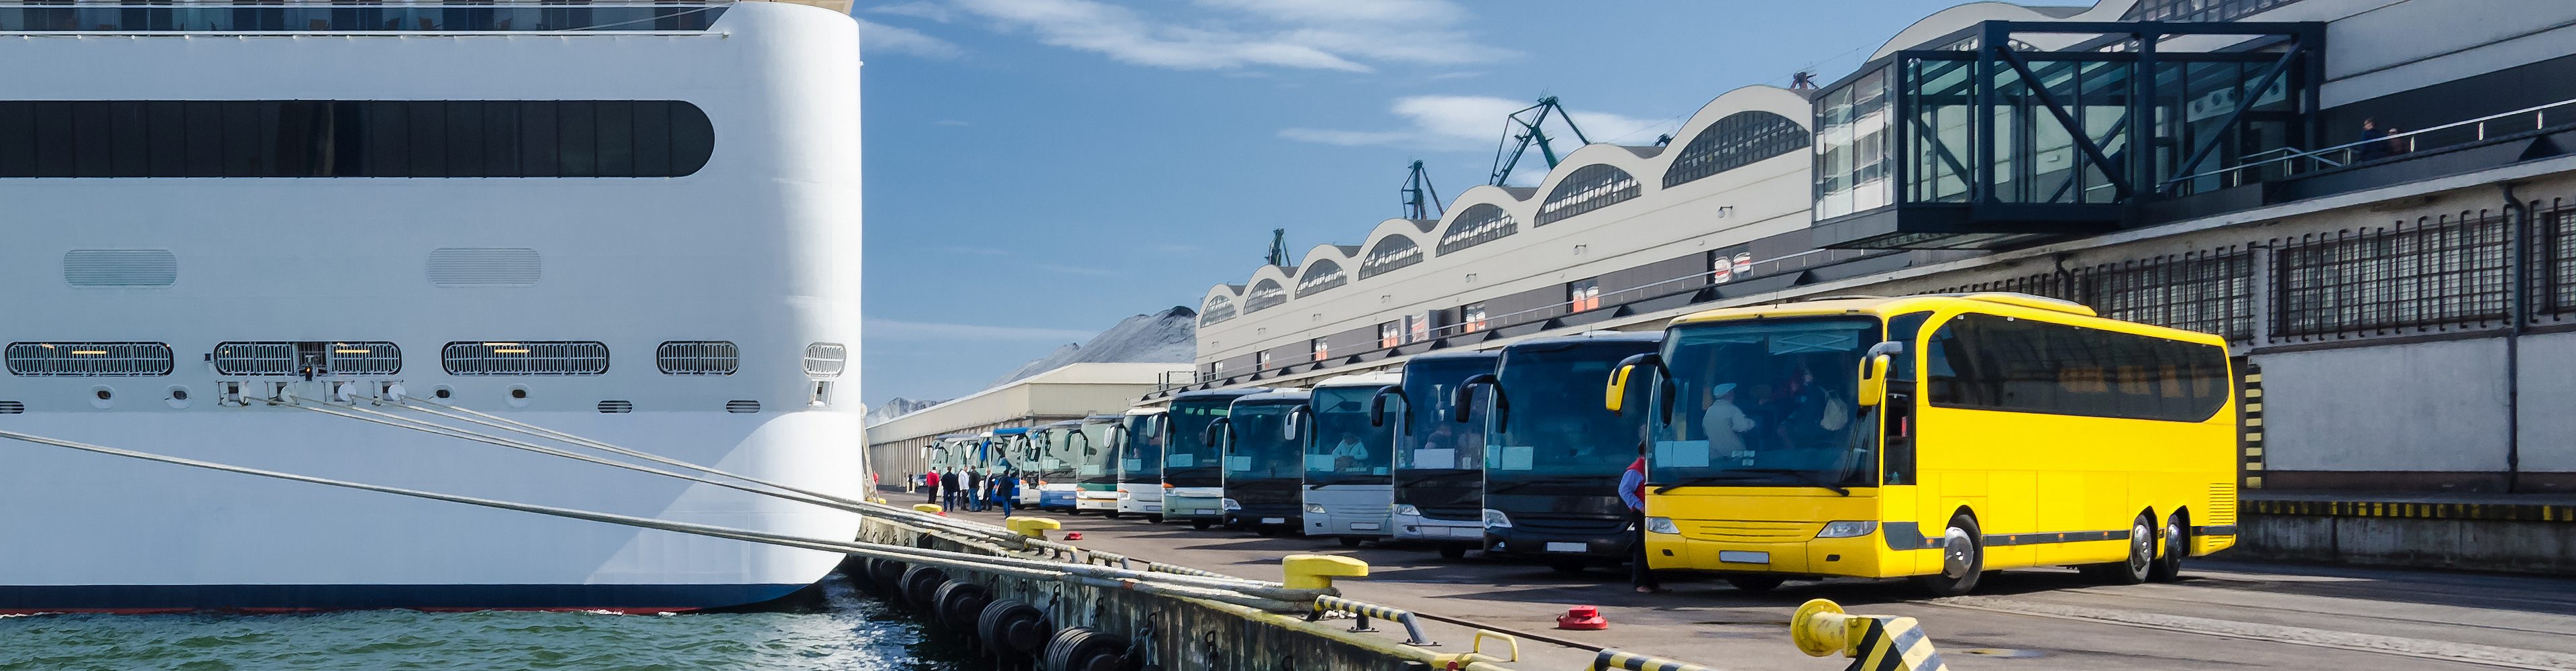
[1581, 295]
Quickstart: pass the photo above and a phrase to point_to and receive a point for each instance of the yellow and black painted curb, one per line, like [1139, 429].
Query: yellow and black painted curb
[2250, 409]
[2473, 512]
[1612, 658]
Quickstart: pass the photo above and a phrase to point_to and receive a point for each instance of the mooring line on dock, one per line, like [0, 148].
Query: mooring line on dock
[1279, 600]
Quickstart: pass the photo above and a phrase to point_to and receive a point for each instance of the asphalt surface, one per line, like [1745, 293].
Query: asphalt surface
[2223, 615]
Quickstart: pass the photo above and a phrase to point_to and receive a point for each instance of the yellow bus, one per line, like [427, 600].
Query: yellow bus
[1933, 437]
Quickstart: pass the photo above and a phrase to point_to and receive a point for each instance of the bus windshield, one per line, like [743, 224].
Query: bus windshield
[1144, 449]
[1431, 441]
[1092, 452]
[1767, 402]
[1557, 427]
[1060, 443]
[1262, 450]
[1188, 448]
[1345, 448]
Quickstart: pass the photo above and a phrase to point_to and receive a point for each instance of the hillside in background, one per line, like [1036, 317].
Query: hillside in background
[894, 408]
[1169, 336]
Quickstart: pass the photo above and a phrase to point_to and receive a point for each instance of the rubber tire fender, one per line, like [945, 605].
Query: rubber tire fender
[960, 603]
[920, 583]
[1012, 627]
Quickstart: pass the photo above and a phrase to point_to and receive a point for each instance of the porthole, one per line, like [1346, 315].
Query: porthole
[102, 397]
[178, 398]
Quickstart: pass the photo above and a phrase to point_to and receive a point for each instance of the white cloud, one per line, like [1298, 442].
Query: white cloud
[1303, 34]
[919, 9]
[1472, 122]
[881, 38]
[899, 329]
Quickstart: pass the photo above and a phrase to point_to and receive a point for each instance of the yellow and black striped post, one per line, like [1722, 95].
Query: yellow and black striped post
[2250, 405]
[1611, 658]
[1874, 642]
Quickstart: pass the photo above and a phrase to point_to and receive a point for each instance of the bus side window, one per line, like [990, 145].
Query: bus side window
[1897, 429]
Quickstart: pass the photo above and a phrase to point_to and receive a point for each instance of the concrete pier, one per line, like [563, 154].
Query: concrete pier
[2226, 614]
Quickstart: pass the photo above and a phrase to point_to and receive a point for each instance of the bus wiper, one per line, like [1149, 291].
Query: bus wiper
[1801, 476]
[1702, 480]
[1557, 480]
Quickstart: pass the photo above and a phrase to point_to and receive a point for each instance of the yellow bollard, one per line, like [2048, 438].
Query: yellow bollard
[1318, 571]
[931, 508]
[1033, 527]
[1875, 642]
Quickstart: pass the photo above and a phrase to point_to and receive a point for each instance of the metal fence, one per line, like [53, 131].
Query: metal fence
[2444, 274]
[2435, 274]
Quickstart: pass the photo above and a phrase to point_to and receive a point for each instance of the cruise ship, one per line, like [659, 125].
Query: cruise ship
[632, 222]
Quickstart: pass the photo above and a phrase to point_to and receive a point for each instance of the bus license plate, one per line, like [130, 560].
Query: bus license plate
[1743, 557]
[1202, 511]
[1566, 547]
[1274, 520]
[1363, 526]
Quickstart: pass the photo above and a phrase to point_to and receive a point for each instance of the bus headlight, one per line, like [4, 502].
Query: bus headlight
[1495, 519]
[1661, 525]
[1316, 508]
[1847, 528]
[1407, 509]
[1231, 505]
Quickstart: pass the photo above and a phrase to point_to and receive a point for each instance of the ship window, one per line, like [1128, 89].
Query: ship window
[88, 359]
[826, 359]
[697, 357]
[525, 358]
[313, 357]
[353, 138]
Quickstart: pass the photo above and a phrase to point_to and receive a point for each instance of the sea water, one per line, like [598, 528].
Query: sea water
[840, 630]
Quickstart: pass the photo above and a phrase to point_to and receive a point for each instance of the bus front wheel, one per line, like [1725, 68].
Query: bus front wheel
[2177, 542]
[1963, 559]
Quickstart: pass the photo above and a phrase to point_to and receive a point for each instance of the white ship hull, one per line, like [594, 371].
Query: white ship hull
[758, 249]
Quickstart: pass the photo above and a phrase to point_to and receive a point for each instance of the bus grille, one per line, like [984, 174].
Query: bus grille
[1738, 531]
[2222, 505]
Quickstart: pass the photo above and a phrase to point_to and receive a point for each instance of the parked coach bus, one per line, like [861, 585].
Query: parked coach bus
[1264, 462]
[1439, 465]
[1095, 465]
[1350, 481]
[1048, 485]
[1140, 463]
[1937, 437]
[1552, 456]
[1193, 472]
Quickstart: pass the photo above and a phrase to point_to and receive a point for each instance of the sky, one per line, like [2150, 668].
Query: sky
[1037, 170]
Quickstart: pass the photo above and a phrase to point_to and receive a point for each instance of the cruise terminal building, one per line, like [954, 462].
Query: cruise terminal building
[2399, 297]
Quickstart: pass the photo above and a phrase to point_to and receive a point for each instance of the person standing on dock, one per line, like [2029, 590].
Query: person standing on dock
[1006, 491]
[1632, 491]
[930, 481]
[975, 490]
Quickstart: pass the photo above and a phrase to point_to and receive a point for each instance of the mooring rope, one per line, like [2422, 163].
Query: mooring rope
[1275, 600]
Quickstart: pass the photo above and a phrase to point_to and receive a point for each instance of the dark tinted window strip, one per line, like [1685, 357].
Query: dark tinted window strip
[1986, 362]
[65, 17]
[353, 138]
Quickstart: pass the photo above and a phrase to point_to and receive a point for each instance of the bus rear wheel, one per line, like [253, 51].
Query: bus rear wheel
[2141, 559]
[1453, 552]
[2177, 543]
[1963, 559]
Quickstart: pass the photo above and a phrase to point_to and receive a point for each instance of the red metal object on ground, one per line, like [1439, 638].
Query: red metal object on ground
[1582, 617]
[1073, 535]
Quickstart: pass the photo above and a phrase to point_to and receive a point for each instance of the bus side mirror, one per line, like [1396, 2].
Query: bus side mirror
[1873, 373]
[1459, 410]
[1377, 403]
[1616, 393]
[1217, 429]
[1288, 429]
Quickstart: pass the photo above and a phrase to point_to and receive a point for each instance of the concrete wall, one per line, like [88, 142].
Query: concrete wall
[2436, 406]
[2479, 545]
[2549, 403]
